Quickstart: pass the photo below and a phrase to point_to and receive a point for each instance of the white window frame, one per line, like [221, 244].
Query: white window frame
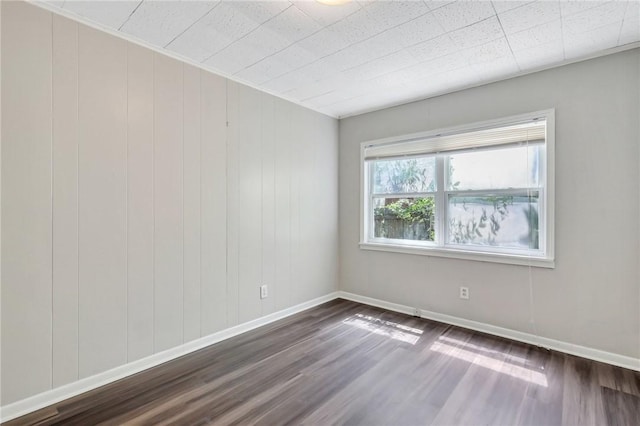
[546, 259]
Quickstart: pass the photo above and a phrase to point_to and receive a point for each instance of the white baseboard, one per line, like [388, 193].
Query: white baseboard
[569, 348]
[44, 399]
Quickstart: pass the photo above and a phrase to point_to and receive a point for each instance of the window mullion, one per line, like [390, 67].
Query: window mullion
[441, 214]
[371, 227]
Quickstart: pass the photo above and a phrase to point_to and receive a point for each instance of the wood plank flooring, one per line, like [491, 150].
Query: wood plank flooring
[347, 363]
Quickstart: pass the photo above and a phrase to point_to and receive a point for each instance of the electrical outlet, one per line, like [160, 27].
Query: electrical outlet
[263, 291]
[464, 293]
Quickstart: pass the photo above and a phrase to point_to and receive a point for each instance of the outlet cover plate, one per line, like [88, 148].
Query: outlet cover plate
[464, 293]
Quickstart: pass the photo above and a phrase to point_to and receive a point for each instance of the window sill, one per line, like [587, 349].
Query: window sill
[509, 259]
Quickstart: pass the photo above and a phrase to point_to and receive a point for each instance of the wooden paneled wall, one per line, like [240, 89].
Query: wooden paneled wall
[144, 201]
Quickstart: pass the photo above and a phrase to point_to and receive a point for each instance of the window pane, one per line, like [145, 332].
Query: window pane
[509, 221]
[404, 175]
[404, 218]
[514, 167]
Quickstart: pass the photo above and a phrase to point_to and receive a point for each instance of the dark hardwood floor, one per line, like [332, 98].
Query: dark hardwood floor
[347, 363]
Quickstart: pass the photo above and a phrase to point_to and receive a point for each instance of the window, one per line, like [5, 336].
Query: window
[482, 192]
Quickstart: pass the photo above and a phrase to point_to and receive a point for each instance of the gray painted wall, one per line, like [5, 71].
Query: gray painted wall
[592, 297]
[133, 219]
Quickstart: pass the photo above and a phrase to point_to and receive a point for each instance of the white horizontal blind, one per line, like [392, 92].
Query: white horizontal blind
[530, 132]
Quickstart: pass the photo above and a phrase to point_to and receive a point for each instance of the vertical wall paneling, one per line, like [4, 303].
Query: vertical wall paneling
[309, 207]
[326, 178]
[191, 187]
[144, 202]
[304, 129]
[250, 203]
[213, 151]
[297, 169]
[1, 365]
[26, 201]
[318, 212]
[102, 191]
[232, 203]
[314, 212]
[281, 294]
[268, 200]
[140, 203]
[65, 201]
[168, 236]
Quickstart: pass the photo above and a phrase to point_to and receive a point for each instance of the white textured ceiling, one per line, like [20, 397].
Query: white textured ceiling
[365, 55]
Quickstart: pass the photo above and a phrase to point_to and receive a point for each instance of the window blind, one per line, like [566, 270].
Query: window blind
[531, 132]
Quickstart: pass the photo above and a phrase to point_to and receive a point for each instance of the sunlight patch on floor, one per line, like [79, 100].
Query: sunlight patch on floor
[386, 328]
[474, 356]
